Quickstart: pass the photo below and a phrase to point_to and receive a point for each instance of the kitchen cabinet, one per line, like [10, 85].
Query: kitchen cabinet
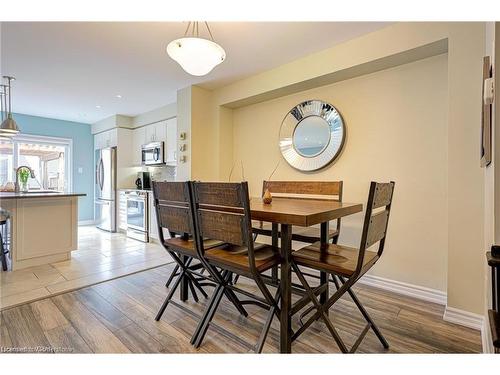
[155, 132]
[122, 211]
[171, 140]
[162, 131]
[105, 139]
[138, 139]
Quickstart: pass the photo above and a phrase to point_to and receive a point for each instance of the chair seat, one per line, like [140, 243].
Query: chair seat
[187, 247]
[236, 257]
[332, 258]
[303, 234]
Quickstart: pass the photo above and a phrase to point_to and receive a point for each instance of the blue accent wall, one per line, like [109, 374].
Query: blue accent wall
[83, 156]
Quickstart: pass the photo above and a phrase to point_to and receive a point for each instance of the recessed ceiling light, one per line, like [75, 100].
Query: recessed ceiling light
[98, 106]
[118, 96]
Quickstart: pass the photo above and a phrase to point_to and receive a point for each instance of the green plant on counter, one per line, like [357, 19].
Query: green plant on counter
[24, 174]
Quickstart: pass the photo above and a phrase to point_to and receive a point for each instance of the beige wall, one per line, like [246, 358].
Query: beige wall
[396, 130]
[397, 44]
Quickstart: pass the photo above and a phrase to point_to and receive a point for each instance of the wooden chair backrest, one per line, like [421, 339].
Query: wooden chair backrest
[173, 207]
[222, 211]
[376, 220]
[330, 190]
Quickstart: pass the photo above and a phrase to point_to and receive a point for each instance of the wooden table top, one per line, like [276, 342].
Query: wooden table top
[303, 212]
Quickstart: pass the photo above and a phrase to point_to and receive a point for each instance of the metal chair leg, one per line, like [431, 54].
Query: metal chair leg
[265, 330]
[193, 292]
[202, 328]
[319, 308]
[366, 316]
[169, 296]
[197, 285]
[172, 275]
[2, 253]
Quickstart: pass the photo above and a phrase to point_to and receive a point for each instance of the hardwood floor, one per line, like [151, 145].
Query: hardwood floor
[117, 316]
[100, 256]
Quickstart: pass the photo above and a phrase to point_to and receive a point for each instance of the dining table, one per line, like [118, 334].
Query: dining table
[286, 213]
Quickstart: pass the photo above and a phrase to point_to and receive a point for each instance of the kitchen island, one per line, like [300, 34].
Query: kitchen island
[43, 226]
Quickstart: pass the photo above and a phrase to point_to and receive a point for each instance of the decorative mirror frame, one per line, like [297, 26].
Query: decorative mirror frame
[335, 144]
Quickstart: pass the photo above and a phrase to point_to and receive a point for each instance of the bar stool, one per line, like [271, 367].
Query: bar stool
[4, 237]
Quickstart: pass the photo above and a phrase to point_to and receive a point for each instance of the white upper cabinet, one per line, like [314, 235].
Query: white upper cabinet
[163, 131]
[156, 132]
[171, 142]
[150, 133]
[105, 139]
[138, 139]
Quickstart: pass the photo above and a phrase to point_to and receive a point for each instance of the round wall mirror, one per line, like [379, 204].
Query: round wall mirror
[312, 135]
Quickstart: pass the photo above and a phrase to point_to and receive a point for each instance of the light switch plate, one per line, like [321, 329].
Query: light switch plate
[80, 170]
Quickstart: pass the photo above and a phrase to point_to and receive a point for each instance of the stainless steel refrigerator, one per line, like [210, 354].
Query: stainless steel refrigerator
[105, 189]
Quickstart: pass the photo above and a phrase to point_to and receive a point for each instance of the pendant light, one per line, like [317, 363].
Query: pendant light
[197, 56]
[3, 109]
[9, 127]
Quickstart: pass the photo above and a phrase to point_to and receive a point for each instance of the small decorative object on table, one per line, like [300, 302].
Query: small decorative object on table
[267, 198]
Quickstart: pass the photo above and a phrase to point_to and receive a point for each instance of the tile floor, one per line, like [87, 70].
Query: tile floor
[100, 256]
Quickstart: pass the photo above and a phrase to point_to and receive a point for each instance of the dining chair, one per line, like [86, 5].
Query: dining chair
[346, 265]
[4, 238]
[327, 190]
[222, 212]
[173, 212]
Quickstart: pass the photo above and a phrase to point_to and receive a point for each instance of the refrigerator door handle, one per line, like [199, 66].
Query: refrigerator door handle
[97, 175]
[101, 170]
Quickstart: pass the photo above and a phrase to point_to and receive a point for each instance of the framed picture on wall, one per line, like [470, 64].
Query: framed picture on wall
[486, 117]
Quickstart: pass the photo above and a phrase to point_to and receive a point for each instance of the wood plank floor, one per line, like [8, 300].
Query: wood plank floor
[117, 316]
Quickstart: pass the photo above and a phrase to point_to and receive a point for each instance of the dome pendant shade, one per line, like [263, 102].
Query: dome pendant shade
[9, 127]
[197, 56]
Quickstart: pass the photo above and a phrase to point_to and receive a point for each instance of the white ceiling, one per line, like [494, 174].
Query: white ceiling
[64, 70]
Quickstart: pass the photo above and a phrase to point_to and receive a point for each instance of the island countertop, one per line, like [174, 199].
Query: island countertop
[36, 194]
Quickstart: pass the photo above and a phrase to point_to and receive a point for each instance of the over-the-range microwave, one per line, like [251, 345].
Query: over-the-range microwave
[153, 153]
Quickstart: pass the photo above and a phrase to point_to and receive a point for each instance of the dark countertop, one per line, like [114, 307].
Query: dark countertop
[13, 195]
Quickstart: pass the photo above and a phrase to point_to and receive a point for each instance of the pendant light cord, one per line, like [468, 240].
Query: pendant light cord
[195, 29]
[2, 93]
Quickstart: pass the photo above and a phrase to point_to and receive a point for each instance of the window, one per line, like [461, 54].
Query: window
[49, 157]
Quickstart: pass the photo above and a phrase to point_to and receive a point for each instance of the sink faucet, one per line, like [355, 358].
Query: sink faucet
[32, 173]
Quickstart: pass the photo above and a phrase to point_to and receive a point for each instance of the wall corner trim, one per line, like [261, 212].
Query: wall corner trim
[411, 290]
[464, 318]
[486, 341]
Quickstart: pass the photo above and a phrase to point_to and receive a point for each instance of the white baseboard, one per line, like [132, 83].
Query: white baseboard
[86, 222]
[416, 291]
[464, 318]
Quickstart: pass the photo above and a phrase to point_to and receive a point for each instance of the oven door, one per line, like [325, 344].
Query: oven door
[137, 215]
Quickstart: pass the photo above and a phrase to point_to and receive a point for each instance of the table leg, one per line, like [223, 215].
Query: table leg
[274, 270]
[286, 289]
[184, 283]
[323, 275]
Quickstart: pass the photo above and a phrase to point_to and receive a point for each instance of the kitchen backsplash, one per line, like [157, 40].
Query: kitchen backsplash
[164, 173]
